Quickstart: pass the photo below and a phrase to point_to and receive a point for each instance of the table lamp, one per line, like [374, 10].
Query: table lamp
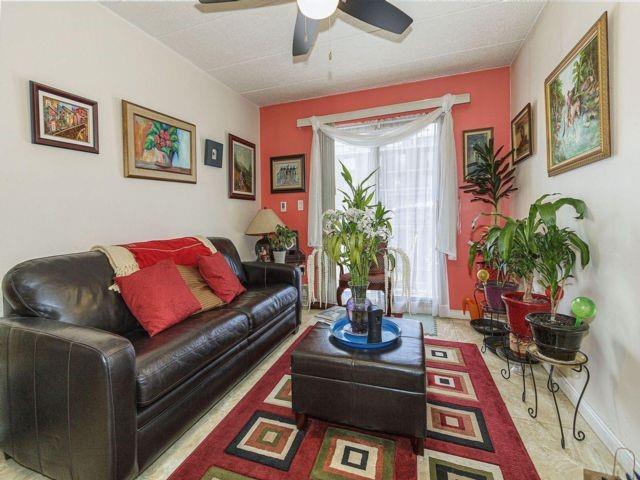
[264, 223]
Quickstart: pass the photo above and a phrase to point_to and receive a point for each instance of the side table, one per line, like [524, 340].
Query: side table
[578, 365]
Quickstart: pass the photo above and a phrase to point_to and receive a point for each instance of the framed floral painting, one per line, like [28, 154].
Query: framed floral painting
[157, 146]
[60, 119]
[242, 168]
[577, 104]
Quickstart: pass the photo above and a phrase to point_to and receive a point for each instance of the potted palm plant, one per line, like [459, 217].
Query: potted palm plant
[519, 245]
[556, 335]
[281, 240]
[354, 237]
[489, 181]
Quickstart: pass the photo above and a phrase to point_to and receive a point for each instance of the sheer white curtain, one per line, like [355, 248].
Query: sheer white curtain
[407, 184]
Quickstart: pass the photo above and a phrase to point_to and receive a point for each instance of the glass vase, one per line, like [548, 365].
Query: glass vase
[358, 307]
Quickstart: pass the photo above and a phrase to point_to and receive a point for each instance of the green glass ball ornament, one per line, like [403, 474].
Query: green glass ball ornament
[583, 307]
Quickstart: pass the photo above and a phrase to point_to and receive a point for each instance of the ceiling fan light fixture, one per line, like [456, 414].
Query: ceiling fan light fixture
[317, 9]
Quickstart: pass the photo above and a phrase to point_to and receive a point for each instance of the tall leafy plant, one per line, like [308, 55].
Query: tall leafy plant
[531, 244]
[354, 236]
[491, 177]
[557, 249]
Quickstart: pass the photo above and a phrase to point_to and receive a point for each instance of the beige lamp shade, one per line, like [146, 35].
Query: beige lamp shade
[264, 222]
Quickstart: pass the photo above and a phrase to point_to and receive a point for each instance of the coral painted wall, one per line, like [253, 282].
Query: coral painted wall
[489, 107]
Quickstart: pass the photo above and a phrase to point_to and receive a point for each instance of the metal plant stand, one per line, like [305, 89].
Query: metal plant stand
[513, 359]
[492, 325]
[578, 365]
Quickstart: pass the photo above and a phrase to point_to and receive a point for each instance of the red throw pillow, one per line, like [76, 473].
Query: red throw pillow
[218, 274]
[158, 296]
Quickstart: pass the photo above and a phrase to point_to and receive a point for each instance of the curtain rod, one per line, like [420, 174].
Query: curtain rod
[384, 110]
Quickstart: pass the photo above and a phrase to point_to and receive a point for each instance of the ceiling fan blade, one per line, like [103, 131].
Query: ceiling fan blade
[304, 35]
[378, 13]
[216, 1]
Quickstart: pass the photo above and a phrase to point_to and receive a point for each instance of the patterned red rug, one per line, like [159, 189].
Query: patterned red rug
[470, 433]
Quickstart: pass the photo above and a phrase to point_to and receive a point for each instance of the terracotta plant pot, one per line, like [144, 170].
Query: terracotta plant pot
[559, 339]
[493, 291]
[516, 312]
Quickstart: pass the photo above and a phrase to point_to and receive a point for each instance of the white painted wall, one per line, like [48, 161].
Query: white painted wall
[55, 200]
[610, 188]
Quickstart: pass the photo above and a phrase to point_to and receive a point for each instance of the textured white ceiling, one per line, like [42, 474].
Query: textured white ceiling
[247, 44]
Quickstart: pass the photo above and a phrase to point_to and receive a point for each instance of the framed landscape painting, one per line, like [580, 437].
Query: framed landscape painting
[287, 173]
[521, 136]
[157, 146]
[60, 119]
[470, 139]
[577, 104]
[242, 169]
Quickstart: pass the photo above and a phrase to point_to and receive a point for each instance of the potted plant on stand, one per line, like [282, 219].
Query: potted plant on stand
[489, 181]
[556, 335]
[519, 245]
[281, 240]
[354, 237]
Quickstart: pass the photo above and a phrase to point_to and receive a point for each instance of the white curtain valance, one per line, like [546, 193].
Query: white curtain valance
[447, 210]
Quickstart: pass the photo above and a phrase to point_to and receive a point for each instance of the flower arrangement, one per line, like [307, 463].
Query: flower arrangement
[354, 237]
[163, 138]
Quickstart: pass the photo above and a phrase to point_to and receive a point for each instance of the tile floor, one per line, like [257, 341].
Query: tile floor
[541, 435]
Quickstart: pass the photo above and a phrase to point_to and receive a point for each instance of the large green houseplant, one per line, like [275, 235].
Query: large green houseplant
[524, 244]
[556, 335]
[354, 236]
[490, 180]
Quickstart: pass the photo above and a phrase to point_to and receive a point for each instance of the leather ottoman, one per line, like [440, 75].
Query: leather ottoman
[380, 390]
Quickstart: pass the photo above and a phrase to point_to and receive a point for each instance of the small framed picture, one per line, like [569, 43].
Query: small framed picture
[242, 168]
[60, 119]
[287, 173]
[471, 138]
[521, 137]
[213, 153]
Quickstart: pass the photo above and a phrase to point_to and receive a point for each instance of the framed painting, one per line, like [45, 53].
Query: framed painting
[521, 136]
[60, 119]
[157, 146]
[470, 139]
[577, 104]
[213, 153]
[287, 173]
[242, 169]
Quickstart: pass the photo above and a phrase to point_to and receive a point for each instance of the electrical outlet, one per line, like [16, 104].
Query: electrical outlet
[283, 206]
[300, 205]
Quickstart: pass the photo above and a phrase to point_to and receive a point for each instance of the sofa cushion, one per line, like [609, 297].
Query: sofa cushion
[171, 357]
[263, 304]
[196, 284]
[220, 277]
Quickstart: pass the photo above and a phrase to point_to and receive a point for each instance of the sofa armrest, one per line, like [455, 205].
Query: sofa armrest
[262, 274]
[67, 399]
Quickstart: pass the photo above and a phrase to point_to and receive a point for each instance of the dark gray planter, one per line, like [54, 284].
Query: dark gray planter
[559, 339]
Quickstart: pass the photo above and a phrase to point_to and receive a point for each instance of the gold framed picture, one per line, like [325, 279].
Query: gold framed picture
[577, 104]
[471, 138]
[157, 146]
[521, 135]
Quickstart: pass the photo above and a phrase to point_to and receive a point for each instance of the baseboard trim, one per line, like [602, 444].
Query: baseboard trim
[601, 429]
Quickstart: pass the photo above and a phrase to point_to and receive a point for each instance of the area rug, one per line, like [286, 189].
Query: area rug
[429, 323]
[470, 433]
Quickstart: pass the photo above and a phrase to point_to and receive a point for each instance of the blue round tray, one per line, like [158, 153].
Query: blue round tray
[390, 333]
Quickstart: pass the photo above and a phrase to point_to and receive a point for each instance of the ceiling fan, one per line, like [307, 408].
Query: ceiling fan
[378, 13]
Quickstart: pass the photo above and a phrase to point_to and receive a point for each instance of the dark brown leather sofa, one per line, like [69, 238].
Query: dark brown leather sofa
[85, 393]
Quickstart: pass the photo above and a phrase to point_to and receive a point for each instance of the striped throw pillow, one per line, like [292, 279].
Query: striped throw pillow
[205, 296]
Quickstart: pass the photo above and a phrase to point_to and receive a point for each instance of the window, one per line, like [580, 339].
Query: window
[406, 185]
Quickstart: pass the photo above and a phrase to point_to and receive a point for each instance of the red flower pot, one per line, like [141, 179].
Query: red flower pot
[517, 310]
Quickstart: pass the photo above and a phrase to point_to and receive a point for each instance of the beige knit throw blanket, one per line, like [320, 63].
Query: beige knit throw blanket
[124, 263]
